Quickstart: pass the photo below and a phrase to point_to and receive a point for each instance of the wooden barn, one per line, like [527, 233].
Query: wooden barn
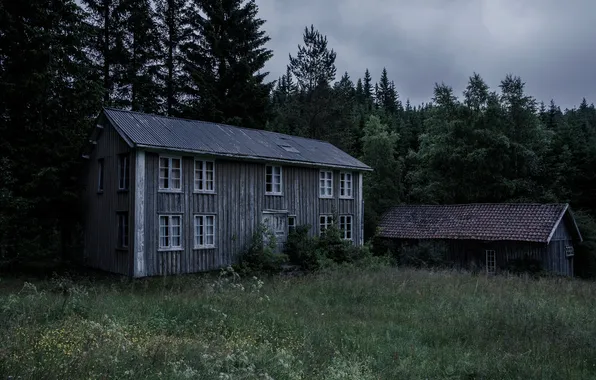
[166, 195]
[489, 236]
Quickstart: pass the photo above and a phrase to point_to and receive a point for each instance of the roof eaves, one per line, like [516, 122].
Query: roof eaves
[256, 158]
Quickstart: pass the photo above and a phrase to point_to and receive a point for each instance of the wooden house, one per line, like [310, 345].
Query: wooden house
[166, 195]
[489, 236]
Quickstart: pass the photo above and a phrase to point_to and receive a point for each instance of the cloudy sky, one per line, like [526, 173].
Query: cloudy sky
[551, 44]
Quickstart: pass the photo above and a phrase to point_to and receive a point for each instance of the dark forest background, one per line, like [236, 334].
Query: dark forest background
[61, 61]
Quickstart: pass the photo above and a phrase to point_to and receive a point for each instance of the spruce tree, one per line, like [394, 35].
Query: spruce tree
[172, 24]
[225, 63]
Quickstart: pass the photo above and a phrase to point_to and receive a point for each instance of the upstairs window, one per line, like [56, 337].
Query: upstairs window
[100, 174]
[345, 185]
[204, 231]
[170, 232]
[325, 184]
[291, 223]
[345, 226]
[204, 176]
[122, 229]
[325, 221]
[273, 180]
[170, 173]
[123, 172]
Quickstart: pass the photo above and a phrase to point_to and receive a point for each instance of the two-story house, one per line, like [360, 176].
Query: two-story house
[166, 195]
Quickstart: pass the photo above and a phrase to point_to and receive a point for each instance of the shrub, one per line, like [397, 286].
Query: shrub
[302, 249]
[425, 254]
[261, 255]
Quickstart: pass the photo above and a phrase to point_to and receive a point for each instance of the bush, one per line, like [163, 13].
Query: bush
[313, 253]
[425, 254]
[261, 255]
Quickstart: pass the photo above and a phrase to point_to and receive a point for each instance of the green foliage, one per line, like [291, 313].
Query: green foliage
[340, 324]
[424, 254]
[261, 255]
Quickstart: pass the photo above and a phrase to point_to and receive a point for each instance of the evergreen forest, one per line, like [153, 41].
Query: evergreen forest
[61, 61]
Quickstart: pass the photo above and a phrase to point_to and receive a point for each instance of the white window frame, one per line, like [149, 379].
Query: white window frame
[324, 225]
[203, 181]
[346, 192]
[100, 175]
[346, 234]
[569, 251]
[491, 263]
[202, 218]
[123, 171]
[122, 225]
[273, 177]
[326, 184]
[170, 171]
[170, 235]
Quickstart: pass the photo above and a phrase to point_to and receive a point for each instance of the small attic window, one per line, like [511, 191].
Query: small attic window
[289, 148]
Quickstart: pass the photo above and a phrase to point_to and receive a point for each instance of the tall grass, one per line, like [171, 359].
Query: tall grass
[346, 323]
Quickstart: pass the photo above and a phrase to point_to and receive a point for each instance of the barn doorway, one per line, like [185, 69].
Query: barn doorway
[276, 222]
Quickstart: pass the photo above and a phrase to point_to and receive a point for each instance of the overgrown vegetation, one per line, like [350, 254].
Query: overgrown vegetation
[345, 322]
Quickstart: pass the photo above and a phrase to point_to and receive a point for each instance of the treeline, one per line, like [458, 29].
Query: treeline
[204, 59]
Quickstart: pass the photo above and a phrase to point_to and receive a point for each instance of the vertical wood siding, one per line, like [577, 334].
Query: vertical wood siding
[101, 208]
[238, 204]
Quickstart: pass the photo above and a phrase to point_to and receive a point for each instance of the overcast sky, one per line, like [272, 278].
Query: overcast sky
[551, 44]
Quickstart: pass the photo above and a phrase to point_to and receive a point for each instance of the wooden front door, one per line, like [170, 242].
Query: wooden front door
[277, 223]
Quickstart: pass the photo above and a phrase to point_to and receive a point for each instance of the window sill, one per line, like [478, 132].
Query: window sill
[177, 249]
[123, 190]
[203, 247]
[348, 198]
[170, 191]
[204, 192]
[275, 194]
[325, 196]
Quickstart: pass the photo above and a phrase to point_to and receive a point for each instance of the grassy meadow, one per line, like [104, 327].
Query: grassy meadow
[343, 323]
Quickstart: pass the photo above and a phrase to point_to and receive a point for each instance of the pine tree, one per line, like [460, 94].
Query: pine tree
[47, 103]
[172, 23]
[137, 83]
[314, 65]
[368, 90]
[386, 95]
[225, 63]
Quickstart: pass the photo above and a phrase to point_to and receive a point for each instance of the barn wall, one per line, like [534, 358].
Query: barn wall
[100, 223]
[238, 204]
[556, 260]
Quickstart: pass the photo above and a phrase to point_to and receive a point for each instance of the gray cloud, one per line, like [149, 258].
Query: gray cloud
[549, 43]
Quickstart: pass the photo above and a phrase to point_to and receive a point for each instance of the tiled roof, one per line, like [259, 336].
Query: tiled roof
[194, 136]
[497, 221]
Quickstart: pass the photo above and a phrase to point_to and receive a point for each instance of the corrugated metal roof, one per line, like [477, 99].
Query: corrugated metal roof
[152, 131]
[482, 221]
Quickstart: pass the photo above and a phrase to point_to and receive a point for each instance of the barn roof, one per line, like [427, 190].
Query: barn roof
[159, 132]
[481, 221]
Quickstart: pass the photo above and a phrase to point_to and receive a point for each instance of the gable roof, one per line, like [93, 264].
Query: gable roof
[193, 136]
[481, 221]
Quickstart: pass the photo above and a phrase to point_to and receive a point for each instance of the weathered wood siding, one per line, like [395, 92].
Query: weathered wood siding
[471, 254]
[100, 223]
[238, 204]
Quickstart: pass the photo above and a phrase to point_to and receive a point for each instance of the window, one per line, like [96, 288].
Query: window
[123, 172]
[491, 262]
[204, 176]
[345, 185]
[204, 231]
[170, 232]
[291, 223]
[325, 184]
[100, 174]
[122, 229]
[569, 251]
[325, 221]
[273, 180]
[170, 173]
[345, 226]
